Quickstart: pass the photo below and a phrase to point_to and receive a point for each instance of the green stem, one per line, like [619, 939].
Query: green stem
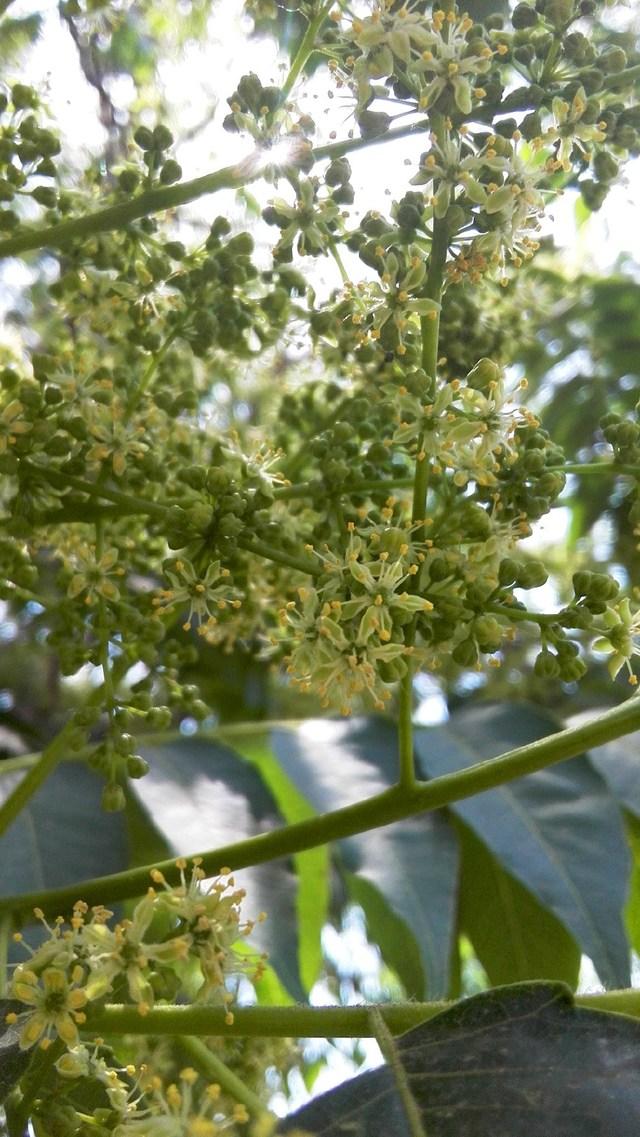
[384, 1038]
[522, 615]
[596, 468]
[130, 502]
[103, 634]
[306, 48]
[133, 504]
[301, 1021]
[118, 216]
[34, 778]
[150, 370]
[261, 549]
[81, 514]
[318, 488]
[406, 763]
[169, 197]
[344, 275]
[622, 78]
[349, 145]
[6, 927]
[274, 1022]
[392, 805]
[31, 1084]
[215, 1070]
[430, 329]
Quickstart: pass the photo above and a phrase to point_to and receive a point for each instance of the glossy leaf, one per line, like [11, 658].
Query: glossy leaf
[13, 1060]
[519, 1061]
[632, 912]
[513, 935]
[313, 866]
[199, 794]
[62, 835]
[557, 831]
[411, 865]
[618, 763]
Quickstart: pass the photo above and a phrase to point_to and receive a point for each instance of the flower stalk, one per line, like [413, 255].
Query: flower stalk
[382, 809]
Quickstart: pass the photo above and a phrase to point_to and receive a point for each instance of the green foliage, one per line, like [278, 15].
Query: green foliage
[505, 1034]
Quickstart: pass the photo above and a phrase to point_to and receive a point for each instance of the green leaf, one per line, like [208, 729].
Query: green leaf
[412, 865]
[632, 912]
[513, 935]
[199, 794]
[617, 763]
[13, 1060]
[518, 1061]
[18, 34]
[557, 831]
[312, 867]
[62, 835]
[398, 946]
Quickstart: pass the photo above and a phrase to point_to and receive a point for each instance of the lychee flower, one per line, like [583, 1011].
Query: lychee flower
[12, 423]
[93, 576]
[57, 1003]
[620, 638]
[209, 920]
[174, 1111]
[201, 592]
[122, 951]
[446, 61]
[569, 129]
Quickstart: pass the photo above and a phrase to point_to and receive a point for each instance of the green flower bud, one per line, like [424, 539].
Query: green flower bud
[581, 582]
[344, 195]
[465, 653]
[113, 798]
[137, 767]
[230, 526]
[483, 375]
[533, 574]
[571, 670]
[159, 718]
[338, 172]
[392, 670]
[508, 571]
[547, 665]
[162, 137]
[128, 180]
[373, 124]
[124, 745]
[488, 633]
[23, 96]
[250, 92]
[143, 138]
[613, 59]
[200, 515]
[170, 172]
[524, 16]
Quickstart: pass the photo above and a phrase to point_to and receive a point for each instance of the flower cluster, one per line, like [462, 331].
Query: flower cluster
[180, 1109]
[348, 628]
[311, 222]
[84, 961]
[434, 54]
[141, 1105]
[469, 428]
